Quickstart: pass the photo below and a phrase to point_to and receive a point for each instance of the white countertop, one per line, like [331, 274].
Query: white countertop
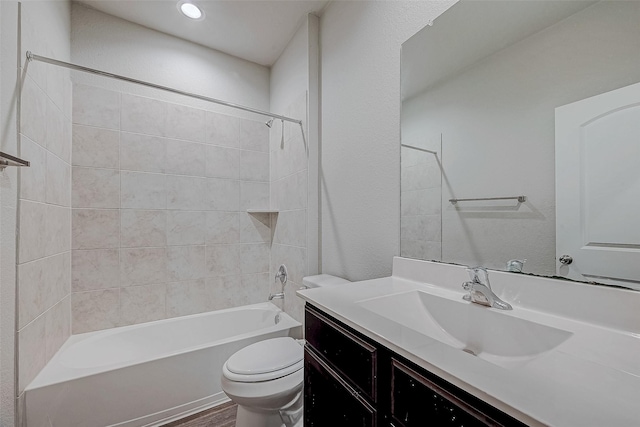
[591, 379]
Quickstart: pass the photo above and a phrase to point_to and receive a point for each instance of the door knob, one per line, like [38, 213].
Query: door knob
[565, 259]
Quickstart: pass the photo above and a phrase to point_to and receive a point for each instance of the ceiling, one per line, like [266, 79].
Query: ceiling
[257, 31]
[470, 31]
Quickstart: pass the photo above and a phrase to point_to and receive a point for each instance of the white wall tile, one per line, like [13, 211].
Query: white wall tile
[56, 140]
[95, 269]
[185, 123]
[223, 162]
[67, 101]
[223, 194]
[255, 227]
[57, 231]
[291, 228]
[254, 288]
[185, 158]
[186, 263]
[254, 195]
[422, 227]
[143, 266]
[142, 153]
[293, 304]
[421, 249]
[32, 291]
[32, 179]
[95, 229]
[143, 115]
[94, 106]
[142, 304]
[33, 110]
[224, 291]
[143, 190]
[222, 227]
[142, 228]
[222, 130]
[31, 236]
[254, 135]
[184, 298]
[41, 284]
[420, 177]
[56, 77]
[32, 351]
[186, 193]
[95, 310]
[292, 191]
[95, 188]
[186, 228]
[254, 258]
[58, 326]
[254, 166]
[95, 147]
[222, 260]
[295, 258]
[421, 202]
[58, 181]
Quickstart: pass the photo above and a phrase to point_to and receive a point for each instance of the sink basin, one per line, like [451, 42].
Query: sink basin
[498, 338]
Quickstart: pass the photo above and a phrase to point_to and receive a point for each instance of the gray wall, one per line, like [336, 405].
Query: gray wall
[498, 135]
[360, 152]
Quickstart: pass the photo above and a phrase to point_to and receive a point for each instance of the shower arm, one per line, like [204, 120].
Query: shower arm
[33, 57]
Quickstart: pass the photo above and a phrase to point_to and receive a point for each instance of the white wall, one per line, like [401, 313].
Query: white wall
[294, 160]
[112, 44]
[8, 206]
[360, 152]
[498, 134]
[44, 28]
[44, 222]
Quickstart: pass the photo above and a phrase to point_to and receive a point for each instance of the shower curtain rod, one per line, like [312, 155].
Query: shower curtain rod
[33, 57]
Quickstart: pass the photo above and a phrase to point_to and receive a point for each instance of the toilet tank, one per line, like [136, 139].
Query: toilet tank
[323, 280]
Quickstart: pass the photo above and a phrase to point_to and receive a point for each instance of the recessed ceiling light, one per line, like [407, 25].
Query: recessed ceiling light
[190, 10]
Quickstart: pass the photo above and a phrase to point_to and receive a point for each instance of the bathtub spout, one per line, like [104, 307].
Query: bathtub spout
[279, 295]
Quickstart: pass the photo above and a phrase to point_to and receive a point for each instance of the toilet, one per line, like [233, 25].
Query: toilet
[265, 378]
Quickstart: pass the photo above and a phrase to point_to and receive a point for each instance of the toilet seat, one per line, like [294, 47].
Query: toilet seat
[265, 360]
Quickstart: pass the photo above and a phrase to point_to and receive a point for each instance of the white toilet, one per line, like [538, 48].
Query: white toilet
[265, 379]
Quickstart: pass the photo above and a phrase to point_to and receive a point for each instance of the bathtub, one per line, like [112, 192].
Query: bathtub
[147, 374]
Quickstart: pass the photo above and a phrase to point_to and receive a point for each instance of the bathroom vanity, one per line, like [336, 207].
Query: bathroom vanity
[357, 381]
[407, 350]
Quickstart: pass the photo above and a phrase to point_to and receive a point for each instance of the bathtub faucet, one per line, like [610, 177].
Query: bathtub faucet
[279, 295]
[283, 276]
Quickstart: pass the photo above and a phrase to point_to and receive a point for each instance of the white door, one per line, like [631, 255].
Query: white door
[598, 187]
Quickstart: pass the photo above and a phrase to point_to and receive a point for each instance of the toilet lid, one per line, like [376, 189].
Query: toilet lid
[266, 356]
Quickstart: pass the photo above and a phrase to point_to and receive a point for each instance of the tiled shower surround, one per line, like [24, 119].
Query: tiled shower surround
[44, 257]
[160, 193]
[289, 196]
[421, 202]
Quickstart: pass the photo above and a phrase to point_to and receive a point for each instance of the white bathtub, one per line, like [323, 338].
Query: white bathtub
[148, 374]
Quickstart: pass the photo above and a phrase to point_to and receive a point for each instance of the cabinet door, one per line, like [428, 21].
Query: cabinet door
[329, 400]
[417, 401]
[348, 354]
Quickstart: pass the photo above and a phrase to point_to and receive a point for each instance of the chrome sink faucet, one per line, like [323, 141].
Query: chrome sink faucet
[480, 290]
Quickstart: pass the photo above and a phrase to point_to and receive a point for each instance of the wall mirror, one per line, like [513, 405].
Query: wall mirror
[521, 139]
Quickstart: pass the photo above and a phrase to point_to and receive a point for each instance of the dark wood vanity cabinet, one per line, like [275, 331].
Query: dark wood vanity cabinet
[350, 380]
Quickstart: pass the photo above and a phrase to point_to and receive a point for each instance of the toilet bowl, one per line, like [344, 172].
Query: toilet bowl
[265, 380]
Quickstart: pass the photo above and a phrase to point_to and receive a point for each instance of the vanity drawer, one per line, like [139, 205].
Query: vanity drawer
[329, 400]
[417, 400]
[348, 354]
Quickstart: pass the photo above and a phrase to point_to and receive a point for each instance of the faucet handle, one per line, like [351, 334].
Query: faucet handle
[479, 275]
